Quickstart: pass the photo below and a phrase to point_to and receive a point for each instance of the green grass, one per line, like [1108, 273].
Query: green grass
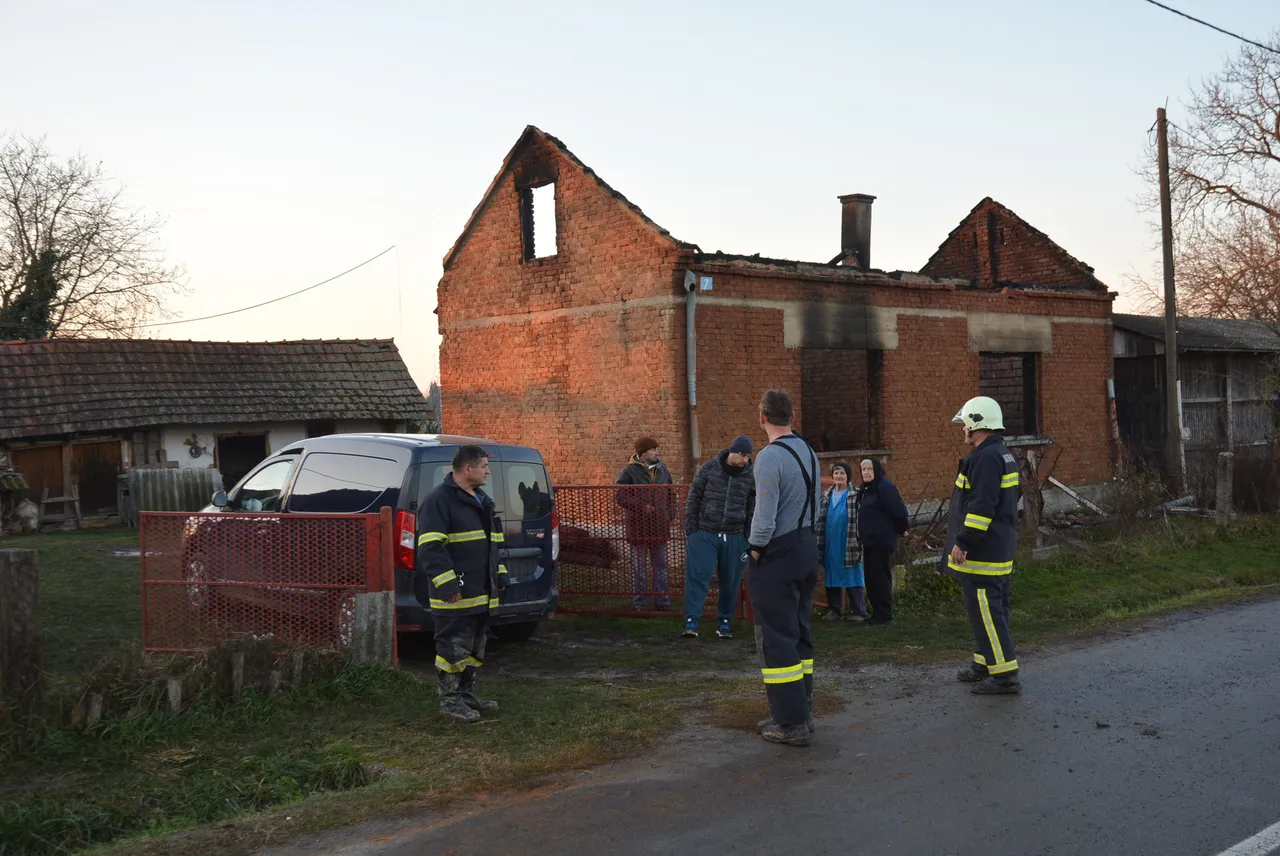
[585, 690]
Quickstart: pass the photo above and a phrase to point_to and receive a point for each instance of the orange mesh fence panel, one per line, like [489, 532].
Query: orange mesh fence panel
[623, 550]
[210, 577]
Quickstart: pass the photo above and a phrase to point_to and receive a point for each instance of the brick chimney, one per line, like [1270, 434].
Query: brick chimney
[855, 229]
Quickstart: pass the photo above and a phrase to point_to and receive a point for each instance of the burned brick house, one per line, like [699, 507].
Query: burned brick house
[587, 312]
[77, 413]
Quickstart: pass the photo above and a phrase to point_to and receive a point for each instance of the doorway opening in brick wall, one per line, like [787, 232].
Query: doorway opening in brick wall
[1011, 379]
[538, 222]
[841, 394]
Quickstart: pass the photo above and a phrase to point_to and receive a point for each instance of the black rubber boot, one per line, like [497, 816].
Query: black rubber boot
[451, 701]
[998, 686]
[768, 721]
[972, 674]
[467, 689]
[787, 735]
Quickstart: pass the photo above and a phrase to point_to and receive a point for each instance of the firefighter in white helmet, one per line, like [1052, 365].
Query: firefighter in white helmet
[981, 537]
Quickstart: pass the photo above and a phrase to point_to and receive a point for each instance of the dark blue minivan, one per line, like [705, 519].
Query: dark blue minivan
[361, 473]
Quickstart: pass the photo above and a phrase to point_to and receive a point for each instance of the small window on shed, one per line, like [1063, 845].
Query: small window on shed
[538, 222]
[1010, 379]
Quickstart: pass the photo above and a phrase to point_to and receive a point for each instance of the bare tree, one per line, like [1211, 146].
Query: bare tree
[110, 273]
[1225, 182]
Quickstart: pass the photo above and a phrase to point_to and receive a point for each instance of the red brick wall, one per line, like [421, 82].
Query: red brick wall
[992, 245]
[833, 385]
[563, 367]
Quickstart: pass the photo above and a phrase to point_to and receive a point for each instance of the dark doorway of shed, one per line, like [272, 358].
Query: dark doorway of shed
[238, 454]
[840, 398]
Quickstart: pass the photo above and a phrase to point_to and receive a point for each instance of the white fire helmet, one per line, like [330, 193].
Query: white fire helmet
[980, 414]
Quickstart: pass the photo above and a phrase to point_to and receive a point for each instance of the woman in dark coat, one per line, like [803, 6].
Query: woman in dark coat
[882, 517]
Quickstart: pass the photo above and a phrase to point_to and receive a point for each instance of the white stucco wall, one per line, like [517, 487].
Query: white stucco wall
[174, 438]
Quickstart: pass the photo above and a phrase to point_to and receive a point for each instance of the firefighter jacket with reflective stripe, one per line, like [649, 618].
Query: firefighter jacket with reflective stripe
[984, 511]
[458, 549]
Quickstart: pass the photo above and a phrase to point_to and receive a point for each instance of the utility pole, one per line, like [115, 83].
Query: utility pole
[1173, 401]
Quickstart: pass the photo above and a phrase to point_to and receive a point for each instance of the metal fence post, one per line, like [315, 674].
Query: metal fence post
[20, 674]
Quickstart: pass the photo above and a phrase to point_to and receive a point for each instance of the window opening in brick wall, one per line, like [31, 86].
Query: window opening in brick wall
[840, 398]
[1011, 380]
[538, 222]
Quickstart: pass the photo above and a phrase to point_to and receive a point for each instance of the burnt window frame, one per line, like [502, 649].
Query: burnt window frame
[1030, 390]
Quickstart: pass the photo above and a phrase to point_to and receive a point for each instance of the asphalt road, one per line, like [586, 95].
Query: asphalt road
[1165, 742]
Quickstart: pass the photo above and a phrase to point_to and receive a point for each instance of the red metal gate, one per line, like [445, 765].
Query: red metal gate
[615, 541]
[210, 577]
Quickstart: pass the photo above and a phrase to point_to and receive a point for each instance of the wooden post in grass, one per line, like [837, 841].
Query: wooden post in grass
[20, 677]
[1226, 471]
[374, 636]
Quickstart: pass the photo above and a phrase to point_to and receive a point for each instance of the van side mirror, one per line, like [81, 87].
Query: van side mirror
[220, 499]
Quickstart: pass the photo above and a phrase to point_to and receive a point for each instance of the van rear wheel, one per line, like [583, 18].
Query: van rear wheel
[521, 632]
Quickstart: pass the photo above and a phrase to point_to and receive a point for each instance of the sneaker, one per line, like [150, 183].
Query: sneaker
[831, 615]
[724, 630]
[972, 674]
[856, 618]
[787, 735]
[998, 686]
[690, 628]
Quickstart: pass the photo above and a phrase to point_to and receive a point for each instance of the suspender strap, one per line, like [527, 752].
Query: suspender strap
[809, 505]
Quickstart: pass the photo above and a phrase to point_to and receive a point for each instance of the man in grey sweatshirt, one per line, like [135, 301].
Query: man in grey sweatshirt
[783, 570]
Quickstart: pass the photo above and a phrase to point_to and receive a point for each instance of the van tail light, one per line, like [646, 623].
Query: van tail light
[406, 548]
[555, 535]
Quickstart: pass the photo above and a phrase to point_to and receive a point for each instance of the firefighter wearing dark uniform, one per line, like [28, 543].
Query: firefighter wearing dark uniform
[782, 571]
[982, 534]
[460, 576]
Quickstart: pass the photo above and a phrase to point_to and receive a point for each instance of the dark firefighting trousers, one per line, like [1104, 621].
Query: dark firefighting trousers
[459, 649]
[987, 601]
[781, 590]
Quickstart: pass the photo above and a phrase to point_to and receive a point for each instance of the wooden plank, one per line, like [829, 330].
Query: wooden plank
[1077, 497]
[374, 638]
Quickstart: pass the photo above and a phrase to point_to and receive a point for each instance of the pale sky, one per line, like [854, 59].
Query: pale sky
[287, 141]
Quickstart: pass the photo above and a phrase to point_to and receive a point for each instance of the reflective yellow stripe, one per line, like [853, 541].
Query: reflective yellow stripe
[502, 569]
[447, 577]
[465, 603]
[979, 659]
[493, 601]
[783, 675]
[986, 569]
[808, 666]
[1009, 480]
[962, 481]
[1009, 666]
[498, 538]
[461, 537]
[445, 666]
[428, 537]
[985, 608]
[977, 521]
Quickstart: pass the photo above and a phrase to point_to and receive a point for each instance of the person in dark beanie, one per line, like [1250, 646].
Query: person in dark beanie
[649, 511]
[716, 518]
[882, 517]
[838, 547]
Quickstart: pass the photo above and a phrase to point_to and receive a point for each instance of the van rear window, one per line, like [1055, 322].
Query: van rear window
[343, 484]
[528, 491]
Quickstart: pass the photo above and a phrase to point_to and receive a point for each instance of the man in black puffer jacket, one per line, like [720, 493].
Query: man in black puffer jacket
[882, 517]
[716, 519]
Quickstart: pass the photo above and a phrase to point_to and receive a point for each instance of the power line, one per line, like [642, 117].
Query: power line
[274, 300]
[1213, 27]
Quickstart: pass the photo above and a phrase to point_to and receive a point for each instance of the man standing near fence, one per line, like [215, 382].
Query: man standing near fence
[460, 576]
[649, 510]
[783, 570]
[717, 516]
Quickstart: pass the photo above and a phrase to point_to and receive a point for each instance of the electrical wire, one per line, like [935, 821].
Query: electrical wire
[1213, 27]
[273, 300]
